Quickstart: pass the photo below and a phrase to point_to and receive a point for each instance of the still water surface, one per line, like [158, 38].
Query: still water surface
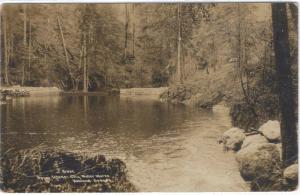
[165, 147]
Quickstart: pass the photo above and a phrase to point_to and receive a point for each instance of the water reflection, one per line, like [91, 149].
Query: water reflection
[76, 115]
[166, 147]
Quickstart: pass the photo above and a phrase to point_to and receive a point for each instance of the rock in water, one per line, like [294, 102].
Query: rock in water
[271, 130]
[290, 174]
[258, 161]
[233, 139]
[254, 139]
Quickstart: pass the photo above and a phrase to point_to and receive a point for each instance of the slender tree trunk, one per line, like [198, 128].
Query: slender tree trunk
[85, 88]
[45, 54]
[10, 44]
[286, 96]
[11, 47]
[25, 27]
[6, 50]
[133, 29]
[81, 56]
[66, 53]
[239, 51]
[239, 38]
[126, 33]
[24, 42]
[29, 51]
[76, 84]
[213, 47]
[179, 75]
[90, 52]
[215, 53]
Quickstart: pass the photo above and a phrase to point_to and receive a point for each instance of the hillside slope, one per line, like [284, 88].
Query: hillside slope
[206, 89]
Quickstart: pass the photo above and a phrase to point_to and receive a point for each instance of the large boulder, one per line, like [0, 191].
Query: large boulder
[258, 161]
[233, 139]
[254, 139]
[271, 130]
[290, 174]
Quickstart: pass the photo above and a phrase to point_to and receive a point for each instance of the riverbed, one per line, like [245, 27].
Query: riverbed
[165, 147]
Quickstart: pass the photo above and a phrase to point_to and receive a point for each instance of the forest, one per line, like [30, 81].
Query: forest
[96, 46]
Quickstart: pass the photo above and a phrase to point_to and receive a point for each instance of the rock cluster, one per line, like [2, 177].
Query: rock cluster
[259, 157]
[45, 170]
[13, 93]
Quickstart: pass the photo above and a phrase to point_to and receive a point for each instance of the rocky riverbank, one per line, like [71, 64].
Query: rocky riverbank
[258, 153]
[7, 93]
[45, 170]
[31, 90]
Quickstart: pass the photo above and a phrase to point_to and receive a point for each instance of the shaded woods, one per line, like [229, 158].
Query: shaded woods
[95, 46]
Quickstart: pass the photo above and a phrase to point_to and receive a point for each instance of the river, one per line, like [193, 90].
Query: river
[165, 147]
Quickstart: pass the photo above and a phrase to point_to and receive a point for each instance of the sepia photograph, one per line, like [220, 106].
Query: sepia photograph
[149, 97]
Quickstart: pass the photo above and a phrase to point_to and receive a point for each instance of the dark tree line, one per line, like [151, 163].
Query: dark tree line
[95, 46]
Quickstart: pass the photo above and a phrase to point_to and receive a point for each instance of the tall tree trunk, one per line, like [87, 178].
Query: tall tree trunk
[213, 47]
[179, 75]
[6, 50]
[85, 83]
[239, 54]
[24, 42]
[81, 56]
[133, 29]
[286, 96]
[91, 51]
[45, 53]
[10, 47]
[29, 51]
[239, 38]
[66, 53]
[126, 32]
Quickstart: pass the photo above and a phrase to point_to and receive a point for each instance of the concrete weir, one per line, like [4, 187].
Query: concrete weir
[154, 92]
